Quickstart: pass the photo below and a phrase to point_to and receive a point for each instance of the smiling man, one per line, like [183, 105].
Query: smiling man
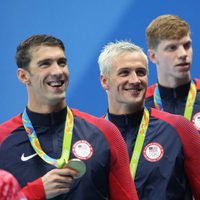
[162, 147]
[121, 94]
[170, 49]
[56, 152]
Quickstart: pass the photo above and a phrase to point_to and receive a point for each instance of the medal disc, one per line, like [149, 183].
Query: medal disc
[78, 165]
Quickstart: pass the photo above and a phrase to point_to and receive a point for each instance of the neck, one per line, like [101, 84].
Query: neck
[46, 108]
[130, 120]
[125, 109]
[173, 82]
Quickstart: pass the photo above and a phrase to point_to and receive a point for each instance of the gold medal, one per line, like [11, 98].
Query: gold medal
[77, 165]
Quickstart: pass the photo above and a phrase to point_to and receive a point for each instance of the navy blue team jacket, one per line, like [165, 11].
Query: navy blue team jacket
[95, 141]
[174, 100]
[168, 167]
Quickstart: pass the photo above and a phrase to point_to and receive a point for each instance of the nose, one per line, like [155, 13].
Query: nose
[182, 53]
[56, 69]
[134, 78]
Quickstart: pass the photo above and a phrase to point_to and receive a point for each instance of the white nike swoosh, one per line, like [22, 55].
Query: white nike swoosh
[25, 158]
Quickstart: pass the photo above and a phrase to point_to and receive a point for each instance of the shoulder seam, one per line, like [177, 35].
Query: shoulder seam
[9, 126]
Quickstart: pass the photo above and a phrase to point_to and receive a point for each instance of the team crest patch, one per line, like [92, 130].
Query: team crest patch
[196, 121]
[82, 150]
[153, 152]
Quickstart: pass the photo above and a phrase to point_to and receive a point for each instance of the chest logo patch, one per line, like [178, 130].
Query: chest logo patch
[82, 150]
[26, 158]
[196, 121]
[153, 152]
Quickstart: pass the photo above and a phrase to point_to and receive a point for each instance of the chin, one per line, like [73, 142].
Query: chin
[135, 102]
[58, 100]
[139, 102]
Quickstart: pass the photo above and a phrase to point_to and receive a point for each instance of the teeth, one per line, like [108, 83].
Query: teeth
[136, 89]
[56, 84]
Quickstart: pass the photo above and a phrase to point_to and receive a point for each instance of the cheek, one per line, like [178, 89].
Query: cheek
[66, 71]
[165, 59]
[39, 81]
[114, 86]
[191, 53]
[162, 58]
[144, 80]
[164, 62]
[120, 84]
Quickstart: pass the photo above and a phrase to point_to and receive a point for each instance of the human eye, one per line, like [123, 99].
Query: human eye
[44, 63]
[171, 47]
[141, 72]
[187, 45]
[62, 62]
[123, 72]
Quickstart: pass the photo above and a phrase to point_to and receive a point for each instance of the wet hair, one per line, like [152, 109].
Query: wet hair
[166, 27]
[113, 49]
[23, 53]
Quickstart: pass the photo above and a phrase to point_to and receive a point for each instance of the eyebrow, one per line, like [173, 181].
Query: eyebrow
[129, 68]
[50, 60]
[63, 59]
[44, 60]
[175, 42]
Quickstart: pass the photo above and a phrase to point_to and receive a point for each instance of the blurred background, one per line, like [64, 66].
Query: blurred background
[85, 27]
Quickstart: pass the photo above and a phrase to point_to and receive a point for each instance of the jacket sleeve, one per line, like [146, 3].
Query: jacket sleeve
[121, 184]
[191, 147]
[34, 190]
[190, 139]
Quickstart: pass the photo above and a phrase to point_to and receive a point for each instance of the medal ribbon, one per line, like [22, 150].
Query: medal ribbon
[139, 142]
[68, 131]
[157, 99]
[189, 103]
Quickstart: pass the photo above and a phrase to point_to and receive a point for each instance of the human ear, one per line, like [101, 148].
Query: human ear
[152, 56]
[24, 76]
[104, 82]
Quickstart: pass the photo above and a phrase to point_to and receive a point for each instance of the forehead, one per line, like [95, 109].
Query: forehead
[129, 59]
[46, 52]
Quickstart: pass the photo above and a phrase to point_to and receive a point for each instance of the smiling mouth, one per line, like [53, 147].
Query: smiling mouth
[133, 89]
[56, 83]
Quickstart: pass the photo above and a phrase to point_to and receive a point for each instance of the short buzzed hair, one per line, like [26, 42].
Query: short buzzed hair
[113, 49]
